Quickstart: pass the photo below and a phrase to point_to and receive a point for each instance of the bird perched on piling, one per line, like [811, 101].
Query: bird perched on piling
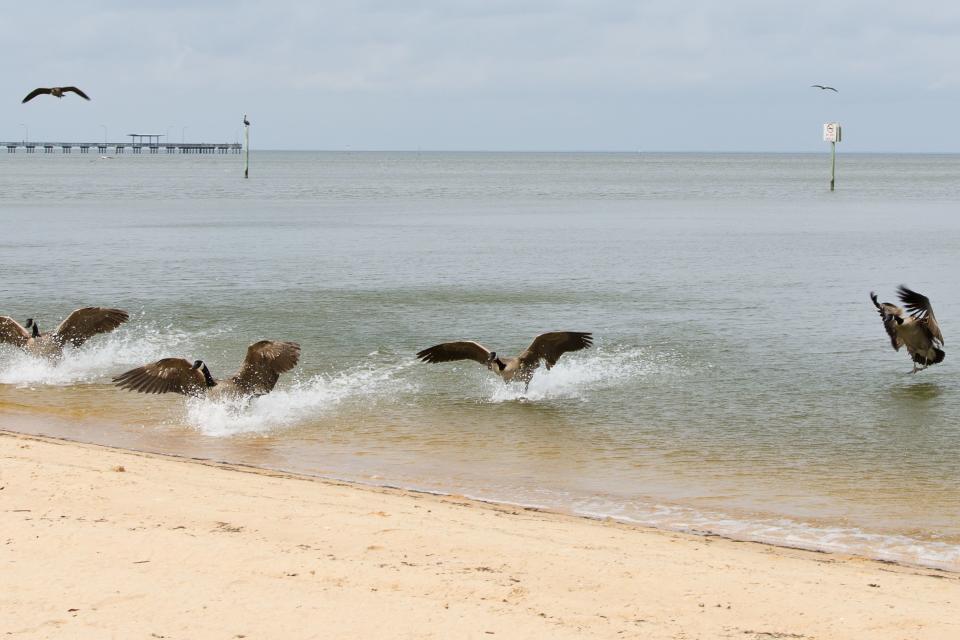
[824, 88]
[79, 326]
[257, 376]
[56, 92]
[245, 121]
[547, 346]
[918, 332]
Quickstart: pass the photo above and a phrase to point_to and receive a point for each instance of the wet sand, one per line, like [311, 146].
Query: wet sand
[98, 542]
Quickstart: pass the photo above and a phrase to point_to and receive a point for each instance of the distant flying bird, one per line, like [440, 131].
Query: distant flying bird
[54, 91]
[820, 86]
[245, 121]
[919, 331]
[257, 376]
[546, 346]
[79, 326]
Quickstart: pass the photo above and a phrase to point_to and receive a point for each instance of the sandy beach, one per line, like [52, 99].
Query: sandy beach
[100, 543]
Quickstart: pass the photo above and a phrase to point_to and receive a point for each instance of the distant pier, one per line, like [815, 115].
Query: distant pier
[124, 147]
[139, 144]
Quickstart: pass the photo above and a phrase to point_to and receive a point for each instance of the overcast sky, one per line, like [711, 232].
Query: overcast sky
[685, 75]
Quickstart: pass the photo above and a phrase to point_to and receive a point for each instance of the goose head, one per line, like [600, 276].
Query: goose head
[494, 363]
[201, 365]
[33, 325]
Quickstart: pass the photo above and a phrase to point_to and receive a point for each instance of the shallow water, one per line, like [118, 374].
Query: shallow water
[741, 380]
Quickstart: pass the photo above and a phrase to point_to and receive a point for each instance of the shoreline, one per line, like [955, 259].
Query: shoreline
[693, 530]
[214, 545]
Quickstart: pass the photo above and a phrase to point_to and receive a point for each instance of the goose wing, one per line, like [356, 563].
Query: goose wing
[550, 346]
[889, 314]
[12, 332]
[920, 308]
[85, 323]
[36, 92]
[76, 91]
[264, 363]
[460, 350]
[174, 375]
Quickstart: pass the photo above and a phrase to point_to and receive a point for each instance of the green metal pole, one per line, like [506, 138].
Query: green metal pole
[246, 144]
[833, 164]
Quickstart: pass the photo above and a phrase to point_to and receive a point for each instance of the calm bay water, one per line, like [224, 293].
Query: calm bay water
[741, 381]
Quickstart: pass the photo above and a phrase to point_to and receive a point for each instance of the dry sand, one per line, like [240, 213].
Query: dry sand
[103, 543]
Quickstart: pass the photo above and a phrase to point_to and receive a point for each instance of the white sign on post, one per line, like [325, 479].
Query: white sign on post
[831, 132]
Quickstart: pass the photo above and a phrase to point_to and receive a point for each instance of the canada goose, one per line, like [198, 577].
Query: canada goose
[919, 331]
[56, 92]
[79, 326]
[257, 376]
[546, 346]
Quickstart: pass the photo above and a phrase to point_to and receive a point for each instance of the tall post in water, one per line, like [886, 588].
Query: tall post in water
[246, 146]
[833, 164]
[831, 134]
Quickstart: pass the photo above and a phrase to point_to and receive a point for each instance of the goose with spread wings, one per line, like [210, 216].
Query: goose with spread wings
[547, 347]
[257, 376]
[918, 331]
[80, 326]
[56, 92]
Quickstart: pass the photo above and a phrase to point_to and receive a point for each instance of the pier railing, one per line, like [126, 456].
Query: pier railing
[124, 147]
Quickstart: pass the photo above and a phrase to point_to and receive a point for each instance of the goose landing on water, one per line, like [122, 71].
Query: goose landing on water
[918, 332]
[79, 326]
[257, 376]
[546, 346]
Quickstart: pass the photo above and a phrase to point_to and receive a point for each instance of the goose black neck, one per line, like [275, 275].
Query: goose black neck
[501, 364]
[209, 378]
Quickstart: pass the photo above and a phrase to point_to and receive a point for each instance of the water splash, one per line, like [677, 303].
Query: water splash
[99, 358]
[300, 402]
[575, 376]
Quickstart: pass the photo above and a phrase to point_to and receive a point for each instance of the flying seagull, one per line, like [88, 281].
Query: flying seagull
[546, 346]
[54, 91]
[820, 86]
[919, 331]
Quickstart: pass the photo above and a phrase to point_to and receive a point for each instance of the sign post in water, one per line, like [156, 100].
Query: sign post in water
[831, 134]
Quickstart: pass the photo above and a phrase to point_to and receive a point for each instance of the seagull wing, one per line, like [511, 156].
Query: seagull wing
[77, 91]
[920, 308]
[461, 350]
[164, 376]
[36, 92]
[550, 346]
[12, 332]
[264, 363]
[85, 323]
[889, 314]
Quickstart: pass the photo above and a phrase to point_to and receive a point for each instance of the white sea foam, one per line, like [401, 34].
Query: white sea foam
[101, 357]
[576, 375]
[299, 402]
[783, 532]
